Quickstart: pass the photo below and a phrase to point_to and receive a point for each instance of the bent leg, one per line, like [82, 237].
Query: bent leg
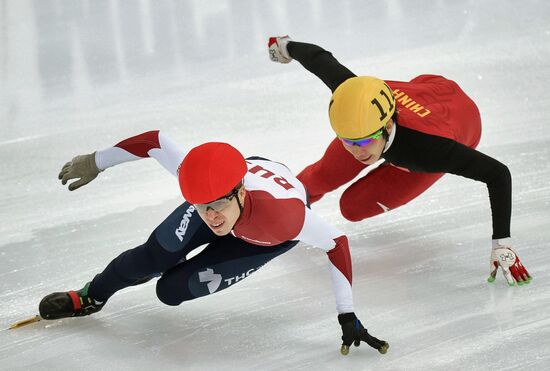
[335, 168]
[220, 265]
[383, 189]
[171, 241]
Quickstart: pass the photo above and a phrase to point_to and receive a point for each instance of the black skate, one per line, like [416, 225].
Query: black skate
[69, 304]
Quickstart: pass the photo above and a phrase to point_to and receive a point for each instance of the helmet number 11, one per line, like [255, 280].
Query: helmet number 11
[383, 114]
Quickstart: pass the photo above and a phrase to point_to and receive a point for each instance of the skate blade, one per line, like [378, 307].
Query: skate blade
[24, 322]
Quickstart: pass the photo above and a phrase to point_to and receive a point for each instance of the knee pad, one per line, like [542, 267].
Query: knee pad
[168, 294]
[382, 190]
[355, 210]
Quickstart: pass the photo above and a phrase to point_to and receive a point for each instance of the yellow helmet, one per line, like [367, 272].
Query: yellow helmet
[360, 106]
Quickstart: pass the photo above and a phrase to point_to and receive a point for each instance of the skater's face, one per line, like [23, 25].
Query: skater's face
[222, 219]
[370, 153]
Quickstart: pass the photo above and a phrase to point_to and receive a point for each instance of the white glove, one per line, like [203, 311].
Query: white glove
[83, 167]
[277, 49]
[505, 257]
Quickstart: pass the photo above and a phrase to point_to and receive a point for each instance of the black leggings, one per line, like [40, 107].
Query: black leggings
[225, 261]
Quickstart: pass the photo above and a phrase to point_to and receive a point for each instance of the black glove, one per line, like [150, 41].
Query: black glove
[354, 332]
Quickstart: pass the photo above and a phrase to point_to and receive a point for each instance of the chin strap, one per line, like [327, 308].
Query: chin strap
[238, 200]
[389, 136]
[240, 206]
[385, 134]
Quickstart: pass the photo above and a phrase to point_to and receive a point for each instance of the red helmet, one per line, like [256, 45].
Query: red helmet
[210, 171]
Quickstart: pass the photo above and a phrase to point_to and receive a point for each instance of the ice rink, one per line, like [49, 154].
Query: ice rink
[76, 76]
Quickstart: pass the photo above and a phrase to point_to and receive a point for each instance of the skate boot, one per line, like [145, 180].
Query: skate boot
[69, 304]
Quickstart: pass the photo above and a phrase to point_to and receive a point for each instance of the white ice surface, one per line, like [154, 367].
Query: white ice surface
[76, 76]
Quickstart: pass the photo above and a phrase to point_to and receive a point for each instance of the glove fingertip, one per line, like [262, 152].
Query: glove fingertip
[384, 348]
[509, 278]
[75, 185]
[344, 350]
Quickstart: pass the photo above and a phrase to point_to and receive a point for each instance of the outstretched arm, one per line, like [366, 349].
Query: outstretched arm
[315, 59]
[320, 234]
[422, 152]
[154, 144]
[150, 144]
[320, 62]
[428, 153]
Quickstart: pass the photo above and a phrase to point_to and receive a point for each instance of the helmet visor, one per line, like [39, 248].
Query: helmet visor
[219, 204]
[362, 142]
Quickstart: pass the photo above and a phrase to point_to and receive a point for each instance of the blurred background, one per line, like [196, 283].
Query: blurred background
[77, 76]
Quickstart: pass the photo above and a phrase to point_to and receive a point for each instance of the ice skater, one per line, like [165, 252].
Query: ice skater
[247, 211]
[421, 129]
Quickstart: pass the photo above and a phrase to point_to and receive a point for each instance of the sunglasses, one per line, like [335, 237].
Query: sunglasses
[219, 204]
[363, 141]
